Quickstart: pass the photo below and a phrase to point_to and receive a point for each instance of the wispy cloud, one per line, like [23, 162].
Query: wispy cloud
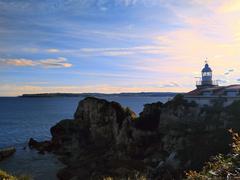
[210, 29]
[55, 63]
[122, 51]
[103, 5]
[53, 50]
[60, 62]
[160, 42]
[112, 51]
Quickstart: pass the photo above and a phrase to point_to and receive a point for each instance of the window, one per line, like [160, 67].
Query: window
[231, 93]
[207, 74]
[207, 93]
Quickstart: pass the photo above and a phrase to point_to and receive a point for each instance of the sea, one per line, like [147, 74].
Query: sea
[29, 117]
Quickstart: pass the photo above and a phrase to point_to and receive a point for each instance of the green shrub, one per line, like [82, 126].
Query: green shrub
[221, 166]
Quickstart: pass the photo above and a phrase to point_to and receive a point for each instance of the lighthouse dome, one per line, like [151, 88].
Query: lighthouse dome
[206, 68]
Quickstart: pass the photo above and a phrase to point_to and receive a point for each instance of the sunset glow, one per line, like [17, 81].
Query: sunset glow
[116, 45]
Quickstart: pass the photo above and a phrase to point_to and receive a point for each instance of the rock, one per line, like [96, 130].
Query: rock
[100, 132]
[97, 122]
[107, 140]
[33, 143]
[150, 116]
[7, 152]
[103, 119]
[40, 146]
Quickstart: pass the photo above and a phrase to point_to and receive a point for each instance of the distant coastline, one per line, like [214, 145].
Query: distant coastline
[150, 94]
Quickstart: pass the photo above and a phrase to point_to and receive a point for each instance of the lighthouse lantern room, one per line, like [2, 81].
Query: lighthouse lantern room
[206, 80]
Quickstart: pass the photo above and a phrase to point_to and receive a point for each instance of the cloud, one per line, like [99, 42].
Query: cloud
[55, 63]
[229, 71]
[17, 62]
[60, 62]
[49, 5]
[221, 81]
[230, 6]
[205, 31]
[173, 50]
[38, 50]
[113, 51]
[118, 51]
[53, 50]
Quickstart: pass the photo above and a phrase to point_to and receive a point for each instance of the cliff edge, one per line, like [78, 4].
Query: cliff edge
[107, 140]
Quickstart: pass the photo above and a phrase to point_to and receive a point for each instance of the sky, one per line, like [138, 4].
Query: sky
[113, 46]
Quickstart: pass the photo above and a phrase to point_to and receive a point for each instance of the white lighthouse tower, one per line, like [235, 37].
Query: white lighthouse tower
[208, 91]
[206, 80]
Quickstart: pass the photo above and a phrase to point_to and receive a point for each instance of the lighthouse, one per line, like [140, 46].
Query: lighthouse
[206, 80]
[208, 91]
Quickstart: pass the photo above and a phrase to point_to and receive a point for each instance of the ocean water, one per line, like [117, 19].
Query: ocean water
[23, 118]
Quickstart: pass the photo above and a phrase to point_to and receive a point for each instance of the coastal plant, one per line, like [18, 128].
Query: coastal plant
[221, 166]
[6, 176]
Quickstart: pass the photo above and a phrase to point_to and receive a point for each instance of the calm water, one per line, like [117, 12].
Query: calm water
[22, 118]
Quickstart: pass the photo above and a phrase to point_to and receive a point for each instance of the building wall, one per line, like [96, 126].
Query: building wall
[201, 101]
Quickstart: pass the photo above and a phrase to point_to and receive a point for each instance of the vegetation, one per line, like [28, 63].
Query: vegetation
[5, 176]
[150, 116]
[221, 166]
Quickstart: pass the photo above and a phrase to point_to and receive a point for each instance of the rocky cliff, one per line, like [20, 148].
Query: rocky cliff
[106, 140]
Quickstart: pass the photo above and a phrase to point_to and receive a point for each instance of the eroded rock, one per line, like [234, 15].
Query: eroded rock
[106, 140]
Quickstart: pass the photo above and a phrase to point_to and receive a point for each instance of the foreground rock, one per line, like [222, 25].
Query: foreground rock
[6, 152]
[107, 140]
[42, 147]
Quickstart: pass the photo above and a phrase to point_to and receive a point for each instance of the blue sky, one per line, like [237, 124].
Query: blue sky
[115, 45]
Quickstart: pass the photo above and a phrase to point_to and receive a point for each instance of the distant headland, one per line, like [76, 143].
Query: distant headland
[150, 94]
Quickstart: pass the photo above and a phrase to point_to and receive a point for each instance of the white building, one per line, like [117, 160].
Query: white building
[208, 91]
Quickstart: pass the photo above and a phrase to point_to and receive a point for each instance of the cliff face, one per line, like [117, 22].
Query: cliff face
[91, 142]
[107, 140]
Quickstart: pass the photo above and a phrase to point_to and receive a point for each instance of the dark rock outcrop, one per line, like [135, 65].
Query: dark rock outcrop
[7, 152]
[106, 140]
[42, 147]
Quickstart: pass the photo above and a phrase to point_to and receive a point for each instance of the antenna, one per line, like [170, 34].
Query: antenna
[206, 60]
